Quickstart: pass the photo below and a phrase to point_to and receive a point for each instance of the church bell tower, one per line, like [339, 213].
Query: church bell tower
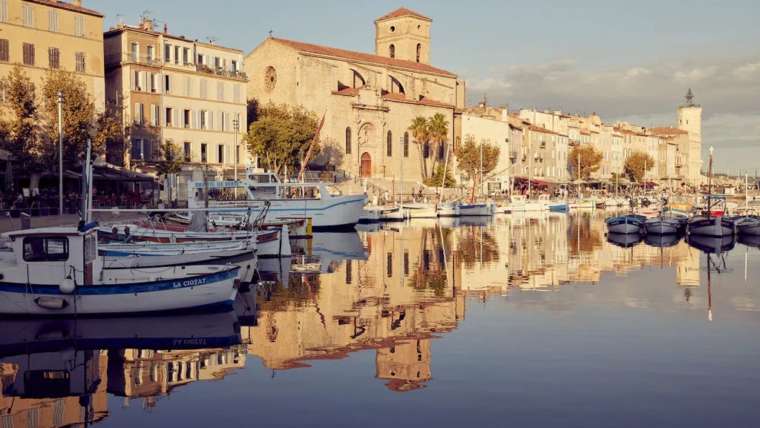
[690, 117]
[403, 34]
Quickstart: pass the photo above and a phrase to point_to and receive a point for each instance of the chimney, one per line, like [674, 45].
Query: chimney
[77, 2]
[146, 24]
[166, 28]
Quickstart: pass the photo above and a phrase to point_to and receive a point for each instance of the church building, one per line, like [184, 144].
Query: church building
[368, 100]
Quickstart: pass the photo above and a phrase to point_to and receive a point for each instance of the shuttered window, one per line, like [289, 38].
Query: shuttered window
[4, 50]
[54, 58]
[80, 64]
[28, 54]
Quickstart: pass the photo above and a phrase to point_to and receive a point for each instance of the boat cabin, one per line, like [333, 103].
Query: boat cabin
[48, 255]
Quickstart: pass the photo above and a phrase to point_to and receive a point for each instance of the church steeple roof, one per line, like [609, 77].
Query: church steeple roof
[402, 11]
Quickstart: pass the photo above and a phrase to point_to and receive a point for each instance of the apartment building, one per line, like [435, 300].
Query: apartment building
[45, 35]
[490, 125]
[176, 90]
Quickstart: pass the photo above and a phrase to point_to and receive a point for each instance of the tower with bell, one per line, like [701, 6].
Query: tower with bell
[690, 117]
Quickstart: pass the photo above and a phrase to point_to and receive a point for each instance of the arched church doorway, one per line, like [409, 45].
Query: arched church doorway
[365, 169]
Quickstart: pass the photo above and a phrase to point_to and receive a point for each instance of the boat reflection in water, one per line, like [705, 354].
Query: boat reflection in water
[394, 292]
[712, 244]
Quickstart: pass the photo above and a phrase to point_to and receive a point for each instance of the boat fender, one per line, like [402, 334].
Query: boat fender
[55, 303]
[67, 286]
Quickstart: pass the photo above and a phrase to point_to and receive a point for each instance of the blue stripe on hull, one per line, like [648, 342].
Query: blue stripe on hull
[126, 288]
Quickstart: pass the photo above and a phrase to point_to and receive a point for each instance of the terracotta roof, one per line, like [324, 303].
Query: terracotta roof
[585, 132]
[60, 4]
[400, 98]
[402, 11]
[544, 130]
[361, 56]
[667, 131]
[349, 92]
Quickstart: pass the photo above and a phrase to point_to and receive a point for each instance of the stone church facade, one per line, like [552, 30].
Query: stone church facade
[368, 100]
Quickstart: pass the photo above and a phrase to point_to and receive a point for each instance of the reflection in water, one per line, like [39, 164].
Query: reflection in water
[392, 291]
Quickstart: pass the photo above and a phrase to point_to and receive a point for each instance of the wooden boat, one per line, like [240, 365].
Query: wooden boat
[667, 223]
[145, 254]
[57, 271]
[520, 203]
[747, 225]
[382, 213]
[626, 224]
[476, 209]
[420, 210]
[448, 209]
[624, 240]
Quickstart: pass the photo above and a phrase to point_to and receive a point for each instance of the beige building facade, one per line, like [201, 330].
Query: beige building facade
[490, 125]
[368, 100]
[175, 90]
[46, 35]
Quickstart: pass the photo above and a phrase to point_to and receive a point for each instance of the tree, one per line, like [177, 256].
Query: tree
[111, 135]
[637, 164]
[252, 111]
[438, 129]
[469, 159]
[590, 161]
[78, 116]
[437, 178]
[281, 135]
[21, 129]
[170, 162]
[421, 135]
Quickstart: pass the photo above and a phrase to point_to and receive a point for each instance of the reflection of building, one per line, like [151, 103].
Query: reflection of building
[400, 295]
[405, 365]
[41, 390]
[143, 373]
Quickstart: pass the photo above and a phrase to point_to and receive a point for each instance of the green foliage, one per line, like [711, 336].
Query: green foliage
[469, 160]
[435, 179]
[590, 161]
[431, 131]
[111, 135]
[636, 166]
[21, 137]
[281, 135]
[78, 116]
[171, 159]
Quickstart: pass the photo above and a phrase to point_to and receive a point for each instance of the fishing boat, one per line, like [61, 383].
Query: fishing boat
[519, 203]
[373, 214]
[57, 271]
[449, 209]
[583, 204]
[747, 225]
[712, 221]
[662, 241]
[626, 224]
[420, 210]
[476, 209]
[147, 254]
[667, 223]
[559, 207]
[322, 203]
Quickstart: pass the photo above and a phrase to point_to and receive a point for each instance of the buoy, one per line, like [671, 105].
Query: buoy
[67, 286]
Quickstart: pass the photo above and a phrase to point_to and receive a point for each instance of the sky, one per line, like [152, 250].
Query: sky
[623, 60]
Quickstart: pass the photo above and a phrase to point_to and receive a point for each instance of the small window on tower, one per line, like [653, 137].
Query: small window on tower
[392, 51]
[393, 28]
[419, 51]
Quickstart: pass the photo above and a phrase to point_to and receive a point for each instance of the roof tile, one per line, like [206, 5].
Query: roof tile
[402, 11]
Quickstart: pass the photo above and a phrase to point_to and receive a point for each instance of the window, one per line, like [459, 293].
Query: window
[3, 10]
[406, 144]
[389, 144]
[4, 50]
[28, 54]
[203, 88]
[149, 53]
[234, 66]
[188, 152]
[168, 116]
[53, 20]
[79, 26]
[167, 83]
[80, 65]
[177, 53]
[236, 93]
[46, 249]
[203, 119]
[220, 91]
[220, 153]
[139, 113]
[27, 14]
[54, 58]
[137, 149]
[186, 118]
[419, 51]
[167, 52]
[406, 263]
[203, 153]
[154, 113]
[348, 141]
[134, 51]
[389, 265]
[392, 51]
[348, 272]
[186, 56]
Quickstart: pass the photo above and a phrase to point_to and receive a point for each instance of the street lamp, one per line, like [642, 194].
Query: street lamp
[236, 128]
[60, 153]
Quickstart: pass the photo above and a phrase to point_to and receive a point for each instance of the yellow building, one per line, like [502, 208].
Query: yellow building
[368, 100]
[180, 91]
[45, 35]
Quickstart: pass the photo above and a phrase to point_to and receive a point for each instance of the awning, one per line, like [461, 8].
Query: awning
[112, 173]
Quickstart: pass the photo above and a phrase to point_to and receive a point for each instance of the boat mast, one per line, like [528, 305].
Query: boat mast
[709, 180]
[401, 186]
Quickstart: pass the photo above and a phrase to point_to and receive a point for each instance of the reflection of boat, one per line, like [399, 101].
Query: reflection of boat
[748, 226]
[628, 224]
[624, 240]
[332, 247]
[187, 331]
[750, 240]
[662, 241]
[245, 307]
[712, 244]
[449, 222]
[375, 214]
[420, 210]
[146, 254]
[57, 271]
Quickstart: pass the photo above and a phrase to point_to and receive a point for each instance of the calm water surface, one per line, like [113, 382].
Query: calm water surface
[505, 322]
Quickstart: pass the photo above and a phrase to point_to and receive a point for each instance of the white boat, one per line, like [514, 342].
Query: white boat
[448, 209]
[583, 204]
[373, 214]
[520, 203]
[323, 204]
[420, 210]
[145, 254]
[57, 271]
[477, 209]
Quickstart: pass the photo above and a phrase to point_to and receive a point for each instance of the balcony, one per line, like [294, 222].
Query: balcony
[114, 60]
[218, 71]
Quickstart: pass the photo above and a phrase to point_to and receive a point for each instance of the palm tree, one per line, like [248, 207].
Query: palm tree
[438, 129]
[421, 133]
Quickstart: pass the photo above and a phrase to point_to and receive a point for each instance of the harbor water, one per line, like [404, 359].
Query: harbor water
[508, 321]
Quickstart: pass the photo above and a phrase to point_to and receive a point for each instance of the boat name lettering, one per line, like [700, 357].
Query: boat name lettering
[189, 282]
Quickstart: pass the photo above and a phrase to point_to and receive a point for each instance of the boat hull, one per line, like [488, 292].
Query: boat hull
[474, 210]
[710, 226]
[448, 210]
[662, 227]
[420, 210]
[216, 288]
